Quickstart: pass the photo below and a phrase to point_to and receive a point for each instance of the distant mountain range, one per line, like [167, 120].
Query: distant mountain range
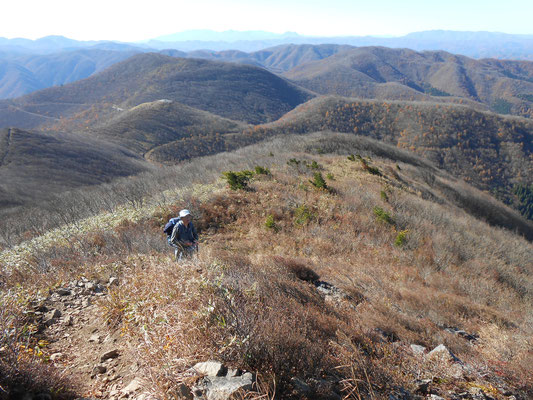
[236, 91]
[501, 86]
[161, 109]
[29, 65]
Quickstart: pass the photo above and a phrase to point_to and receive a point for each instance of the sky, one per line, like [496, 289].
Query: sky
[135, 20]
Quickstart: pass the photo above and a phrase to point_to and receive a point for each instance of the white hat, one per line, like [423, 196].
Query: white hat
[184, 213]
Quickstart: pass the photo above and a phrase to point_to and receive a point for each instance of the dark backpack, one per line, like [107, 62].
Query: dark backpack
[169, 227]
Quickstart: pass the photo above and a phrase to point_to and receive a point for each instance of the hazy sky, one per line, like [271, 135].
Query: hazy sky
[134, 20]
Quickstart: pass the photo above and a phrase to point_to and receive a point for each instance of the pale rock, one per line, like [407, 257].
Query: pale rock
[95, 338]
[68, 320]
[56, 356]
[113, 281]
[221, 387]
[443, 353]
[233, 372]
[132, 387]
[210, 368]
[51, 317]
[417, 349]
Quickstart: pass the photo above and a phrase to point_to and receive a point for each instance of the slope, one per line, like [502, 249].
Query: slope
[37, 166]
[149, 125]
[401, 74]
[233, 91]
[322, 293]
[487, 150]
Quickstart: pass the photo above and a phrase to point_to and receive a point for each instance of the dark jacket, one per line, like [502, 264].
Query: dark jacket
[182, 233]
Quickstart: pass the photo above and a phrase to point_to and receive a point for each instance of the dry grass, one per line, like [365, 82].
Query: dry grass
[249, 300]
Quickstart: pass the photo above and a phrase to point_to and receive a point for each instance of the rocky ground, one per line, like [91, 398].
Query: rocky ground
[80, 343]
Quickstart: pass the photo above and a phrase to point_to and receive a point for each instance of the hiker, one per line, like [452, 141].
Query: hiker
[184, 237]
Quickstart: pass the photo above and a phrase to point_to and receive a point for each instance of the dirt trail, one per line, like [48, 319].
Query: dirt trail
[31, 113]
[81, 344]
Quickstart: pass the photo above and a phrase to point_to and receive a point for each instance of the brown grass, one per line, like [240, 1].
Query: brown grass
[249, 300]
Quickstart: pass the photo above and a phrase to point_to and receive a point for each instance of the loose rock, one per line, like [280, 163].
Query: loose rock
[210, 368]
[132, 387]
[442, 352]
[110, 354]
[417, 349]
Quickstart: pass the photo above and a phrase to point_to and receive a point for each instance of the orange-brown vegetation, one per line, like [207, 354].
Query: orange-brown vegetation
[251, 300]
[488, 151]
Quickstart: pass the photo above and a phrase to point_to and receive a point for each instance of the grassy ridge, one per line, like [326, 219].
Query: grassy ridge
[491, 152]
[251, 286]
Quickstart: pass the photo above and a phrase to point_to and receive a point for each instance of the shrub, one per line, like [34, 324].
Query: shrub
[293, 162]
[315, 165]
[369, 169]
[271, 224]
[384, 196]
[383, 216]
[238, 180]
[319, 182]
[330, 176]
[302, 215]
[261, 170]
[401, 238]
[351, 157]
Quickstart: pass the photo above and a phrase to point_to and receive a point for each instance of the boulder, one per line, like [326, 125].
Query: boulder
[99, 369]
[63, 291]
[221, 387]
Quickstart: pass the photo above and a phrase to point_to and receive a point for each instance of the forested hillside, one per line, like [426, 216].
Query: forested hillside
[504, 87]
[489, 151]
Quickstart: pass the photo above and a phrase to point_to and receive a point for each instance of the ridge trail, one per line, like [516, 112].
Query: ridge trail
[31, 113]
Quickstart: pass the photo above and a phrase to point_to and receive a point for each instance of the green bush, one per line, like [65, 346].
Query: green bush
[524, 193]
[319, 181]
[271, 224]
[238, 180]
[401, 238]
[384, 196]
[369, 169]
[383, 216]
[351, 157]
[330, 176]
[315, 165]
[261, 170]
[294, 162]
[302, 215]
